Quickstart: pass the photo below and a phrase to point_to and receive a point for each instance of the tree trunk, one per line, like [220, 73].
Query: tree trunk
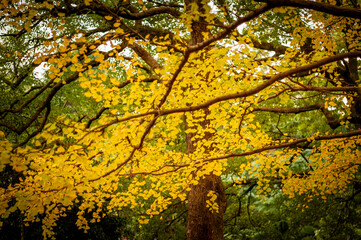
[202, 223]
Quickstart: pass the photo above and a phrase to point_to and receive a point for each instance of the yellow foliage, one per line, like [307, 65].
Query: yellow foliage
[156, 91]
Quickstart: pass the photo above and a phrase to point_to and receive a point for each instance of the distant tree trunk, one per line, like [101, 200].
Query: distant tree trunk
[203, 224]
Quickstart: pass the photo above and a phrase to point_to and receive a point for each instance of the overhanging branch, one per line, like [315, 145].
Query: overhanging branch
[318, 6]
[288, 110]
[272, 80]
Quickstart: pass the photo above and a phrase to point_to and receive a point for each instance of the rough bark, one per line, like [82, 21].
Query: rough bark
[201, 222]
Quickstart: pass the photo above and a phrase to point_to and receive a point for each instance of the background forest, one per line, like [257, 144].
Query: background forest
[172, 119]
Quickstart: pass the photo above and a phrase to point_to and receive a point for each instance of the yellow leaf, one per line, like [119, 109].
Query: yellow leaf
[60, 150]
[37, 143]
[119, 30]
[52, 75]
[38, 61]
[108, 18]
[131, 41]
[88, 94]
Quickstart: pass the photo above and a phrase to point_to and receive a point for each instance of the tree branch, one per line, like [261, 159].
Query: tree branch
[277, 77]
[292, 143]
[150, 12]
[318, 6]
[99, 113]
[289, 110]
[145, 56]
[253, 14]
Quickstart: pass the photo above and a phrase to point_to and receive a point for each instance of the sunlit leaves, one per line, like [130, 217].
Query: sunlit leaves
[133, 152]
[333, 169]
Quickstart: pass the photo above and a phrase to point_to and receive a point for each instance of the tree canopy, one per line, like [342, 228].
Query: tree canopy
[112, 104]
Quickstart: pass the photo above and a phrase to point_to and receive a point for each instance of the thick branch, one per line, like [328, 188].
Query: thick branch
[151, 12]
[325, 89]
[330, 120]
[279, 49]
[288, 110]
[318, 6]
[292, 143]
[103, 10]
[145, 56]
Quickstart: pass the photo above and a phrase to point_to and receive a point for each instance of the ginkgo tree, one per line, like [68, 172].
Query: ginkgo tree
[175, 94]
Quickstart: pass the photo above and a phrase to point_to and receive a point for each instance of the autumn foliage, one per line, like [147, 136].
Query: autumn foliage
[102, 99]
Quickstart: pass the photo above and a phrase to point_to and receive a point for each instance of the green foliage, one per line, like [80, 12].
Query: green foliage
[278, 217]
